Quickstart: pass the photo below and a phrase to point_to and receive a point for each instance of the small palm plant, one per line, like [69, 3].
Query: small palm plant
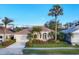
[30, 37]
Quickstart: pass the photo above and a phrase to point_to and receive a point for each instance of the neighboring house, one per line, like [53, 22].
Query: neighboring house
[21, 36]
[9, 34]
[72, 35]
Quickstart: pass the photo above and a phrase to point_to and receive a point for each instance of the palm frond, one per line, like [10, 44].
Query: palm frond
[56, 10]
[6, 20]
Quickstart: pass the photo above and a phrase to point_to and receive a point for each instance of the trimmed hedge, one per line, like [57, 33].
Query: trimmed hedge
[51, 41]
[40, 42]
[35, 41]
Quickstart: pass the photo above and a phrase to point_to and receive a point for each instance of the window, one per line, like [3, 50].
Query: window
[49, 35]
[11, 37]
[0, 37]
[44, 36]
[0, 41]
[40, 35]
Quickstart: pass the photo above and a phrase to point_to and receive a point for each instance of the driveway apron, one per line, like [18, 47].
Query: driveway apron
[14, 49]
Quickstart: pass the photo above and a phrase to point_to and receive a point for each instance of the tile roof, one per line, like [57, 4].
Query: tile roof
[72, 29]
[46, 29]
[7, 31]
[26, 31]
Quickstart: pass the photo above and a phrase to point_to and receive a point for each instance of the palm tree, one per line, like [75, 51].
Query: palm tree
[51, 25]
[55, 11]
[6, 21]
[30, 37]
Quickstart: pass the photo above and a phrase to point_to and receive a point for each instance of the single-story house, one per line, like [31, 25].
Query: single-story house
[72, 35]
[21, 36]
[9, 34]
[44, 34]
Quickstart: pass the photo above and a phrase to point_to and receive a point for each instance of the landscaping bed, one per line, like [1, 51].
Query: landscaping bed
[48, 44]
[7, 43]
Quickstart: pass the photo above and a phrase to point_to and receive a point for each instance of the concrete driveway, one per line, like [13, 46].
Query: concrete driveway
[14, 49]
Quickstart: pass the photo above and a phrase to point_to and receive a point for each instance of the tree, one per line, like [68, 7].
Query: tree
[52, 35]
[6, 21]
[51, 25]
[55, 11]
[17, 29]
[36, 29]
[30, 37]
[68, 25]
[61, 36]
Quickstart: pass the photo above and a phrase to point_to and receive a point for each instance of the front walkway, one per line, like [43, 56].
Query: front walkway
[14, 49]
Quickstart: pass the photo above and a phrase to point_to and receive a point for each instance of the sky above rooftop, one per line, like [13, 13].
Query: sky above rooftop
[37, 14]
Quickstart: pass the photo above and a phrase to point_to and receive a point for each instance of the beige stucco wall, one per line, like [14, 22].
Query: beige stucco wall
[3, 39]
[42, 32]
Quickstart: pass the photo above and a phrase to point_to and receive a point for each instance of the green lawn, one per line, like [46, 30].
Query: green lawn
[1, 46]
[38, 52]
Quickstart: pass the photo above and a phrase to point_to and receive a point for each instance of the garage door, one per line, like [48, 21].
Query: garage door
[21, 38]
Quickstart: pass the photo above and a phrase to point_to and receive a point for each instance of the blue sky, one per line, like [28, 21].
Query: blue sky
[37, 14]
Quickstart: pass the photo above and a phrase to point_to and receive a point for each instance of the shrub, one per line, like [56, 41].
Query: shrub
[61, 36]
[37, 41]
[58, 41]
[9, 42]
[51, 41]
[76, 45]
[28, 44]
